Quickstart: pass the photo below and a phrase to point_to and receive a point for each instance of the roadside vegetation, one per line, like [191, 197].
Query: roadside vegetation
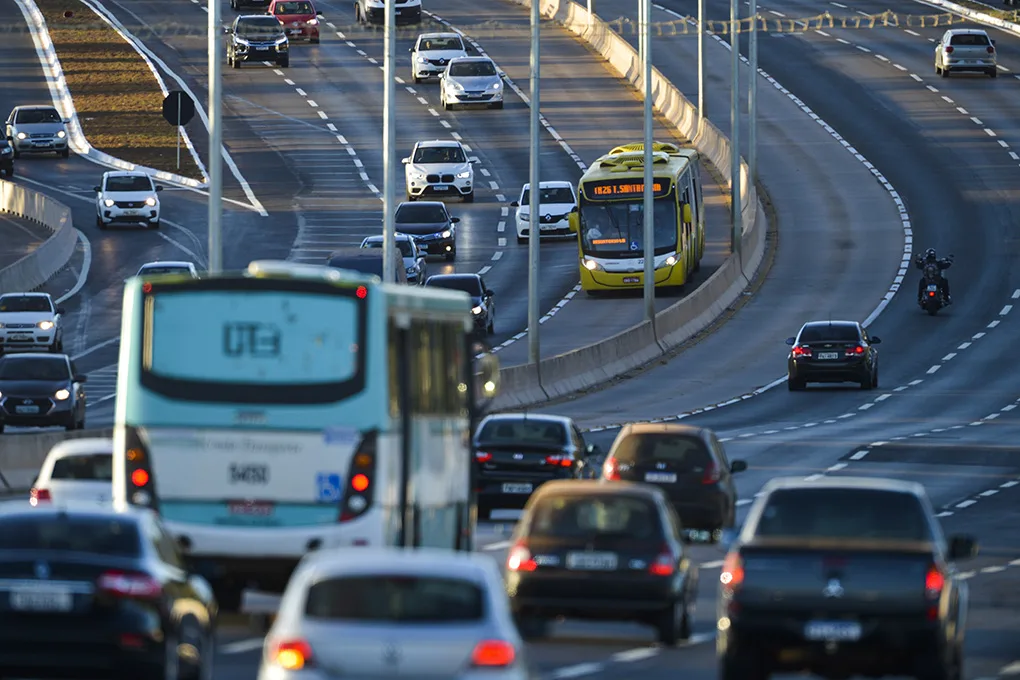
[118, 100]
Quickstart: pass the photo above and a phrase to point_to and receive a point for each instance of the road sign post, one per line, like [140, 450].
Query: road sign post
[178, 110]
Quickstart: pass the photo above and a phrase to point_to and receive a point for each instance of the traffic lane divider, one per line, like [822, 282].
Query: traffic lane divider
[36, 268]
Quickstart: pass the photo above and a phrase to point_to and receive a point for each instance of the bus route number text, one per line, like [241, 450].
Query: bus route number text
[252, 338]
[624, 189]
[249, 474]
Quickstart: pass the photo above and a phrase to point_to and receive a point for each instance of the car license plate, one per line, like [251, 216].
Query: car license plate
[26, 409]
[250, 508]
[933, 289]
[828, 355]
[132, 212]
[440, 187]
[667, 477]
[517, 488]
[42, 600]
[833, 631]
[632, 279]
[592, 561]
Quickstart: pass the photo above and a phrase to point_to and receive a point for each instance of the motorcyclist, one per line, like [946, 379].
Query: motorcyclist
[930, 257]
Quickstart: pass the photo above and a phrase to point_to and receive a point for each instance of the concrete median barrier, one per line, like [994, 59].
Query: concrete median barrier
[21, 455]
[36, 268]
[586, 367]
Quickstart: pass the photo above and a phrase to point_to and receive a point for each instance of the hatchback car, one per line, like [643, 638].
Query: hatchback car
[411, 258]
[6, 158]
[387, 612]
[471, 81]
[483, 303]
[604, 552]
[430, 225]
[124, 197]
[257, 38]
[439, 168]
[516, 453]
[432, 52]
[832, 352]
[169, 267]
[41, 390]
[688, 463]
[965, 49]
[31, 321]
[300, 19]
[557, 204]
[37, 129]
[95, 592]
[75, 470]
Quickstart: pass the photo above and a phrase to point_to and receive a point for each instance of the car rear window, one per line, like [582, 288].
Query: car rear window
[683, 453]
[591, 517]
[98, 535]
[396, 599]
[829, 333]
[90, 467]
[523, 432]
[419, 214]
[970, 39]
[844, 513]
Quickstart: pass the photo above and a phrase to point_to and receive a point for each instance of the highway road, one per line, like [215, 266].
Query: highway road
[19, 237]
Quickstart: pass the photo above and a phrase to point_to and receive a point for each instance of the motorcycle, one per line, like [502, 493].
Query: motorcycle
[932, 299]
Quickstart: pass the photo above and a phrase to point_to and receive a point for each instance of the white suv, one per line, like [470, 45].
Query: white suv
[432, 52]
[127, 198]
[439, 168]
[374, 11]
[557, 210]
[30, 321]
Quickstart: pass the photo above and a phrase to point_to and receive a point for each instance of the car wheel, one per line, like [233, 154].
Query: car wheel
[874, 378]
[314, 41]
[867, 382]
[993, 72]
[795, 384]
[17, 154]
[154, 225]
[1, 427]
[938, 69]
[945, 71]
[532, 627]
[66, 153]
[101, 224]
[284, 63]
[491, 328]
[739, 664]
[410, 197]
[668, 626]
[522, 239]
[451, 256]
[469, 197]
[236, 63]
[935, 667]
[497, 105]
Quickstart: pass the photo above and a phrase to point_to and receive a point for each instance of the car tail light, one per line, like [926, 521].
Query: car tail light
[493, 654]
[711, 474]
[520, 559]
[799, 351]
[129, 584]
[949, 50]
[732, 573]
[37, 496]
[664, 564]
[611, 470]
[483, 456]
[358, 494]
[931, 294]
[934, 582]
[291, 655]
[561, 461]
[854, 351]
[138, 478]
[991, 50]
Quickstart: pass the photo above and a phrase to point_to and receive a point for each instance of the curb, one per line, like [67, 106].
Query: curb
[37, 267]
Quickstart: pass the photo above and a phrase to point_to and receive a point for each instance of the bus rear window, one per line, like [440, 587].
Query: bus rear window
[396, 599]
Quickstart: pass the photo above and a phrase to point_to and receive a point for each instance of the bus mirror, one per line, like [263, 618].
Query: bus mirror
[574, 221]
[487, 375]
[688, 217]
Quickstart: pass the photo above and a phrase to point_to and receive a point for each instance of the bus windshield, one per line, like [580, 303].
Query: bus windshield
[616, 228]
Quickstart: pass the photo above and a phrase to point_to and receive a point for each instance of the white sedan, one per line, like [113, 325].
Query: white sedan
[127, 198]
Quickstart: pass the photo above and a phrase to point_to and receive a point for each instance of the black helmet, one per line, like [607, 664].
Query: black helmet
[929, 254]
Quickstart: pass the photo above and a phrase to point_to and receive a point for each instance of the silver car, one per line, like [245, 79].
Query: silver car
[471, 80]
[413, 259]
[37, 129]
[965, 49]
[391, 613]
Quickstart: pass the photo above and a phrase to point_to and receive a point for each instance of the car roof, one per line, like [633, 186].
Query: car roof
[673, 428]
[391, 560]
[596, 487]
[968, 31]
[541, 417]
[430, 204]
[438, 142]
[376, 239]
[168, 263]
[446, 277]
[816, 324]
[550, 184]
[439, 35]
[80, 447]
[35, 107]
[126, 173]
[458, 60]
[867, 483]
[258, 16]
[28, 294]
[33, 355]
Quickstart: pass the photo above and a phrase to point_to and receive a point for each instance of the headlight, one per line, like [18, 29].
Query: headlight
[108, 203]
[447, 234]
[476, 310]
[1, 394]
[411, 271]
[525, 217]
[422, 60]
[150, 201]
[61, 134]
[592, 265]
[464, 175]
[455, 85]
[671, 260]
[495, 86]
[22, 135]
[241, 41]
[45, 325]
[61, 395]
[313, 22]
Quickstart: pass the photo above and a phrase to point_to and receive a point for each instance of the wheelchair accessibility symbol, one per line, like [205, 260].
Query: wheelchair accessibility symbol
[329, 486]
[634, 245]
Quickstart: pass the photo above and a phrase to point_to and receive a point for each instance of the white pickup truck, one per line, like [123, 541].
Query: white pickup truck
[30, 321]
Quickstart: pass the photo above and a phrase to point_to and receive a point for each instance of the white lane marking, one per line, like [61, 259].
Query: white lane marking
[963, 110]
[313, 104]
[576, 671]
[916, 77]
[241, 646]
[498, 545]
[949, 356]
[632, 655]
[948, 100]
[902, 68]
[858, 455]
[914, 33]
[301, 92]
[1005, 310]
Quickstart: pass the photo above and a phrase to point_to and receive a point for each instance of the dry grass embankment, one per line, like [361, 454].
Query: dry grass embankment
[118, 100]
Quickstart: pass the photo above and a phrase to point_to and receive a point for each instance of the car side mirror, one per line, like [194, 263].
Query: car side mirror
[993, 42]
[405, 161]
[473, 161]
[159, 188]
[81, 378]
[454, 220]
[60, 310]
[875, 340]
[593, 449]
[318, 13]
[738, 466]
[962, 547]
[97, 189]
[411, 50]
[515, 204]
[791, 341]
[66, 121]
[227, 30]
[489, 292]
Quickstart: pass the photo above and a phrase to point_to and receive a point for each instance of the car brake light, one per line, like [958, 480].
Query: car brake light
[664, 564]
[711, 474]
[949, 50]
[37, 496]
[931, 294]
[933, 582]
[799, 351]
[493, 654]
[291, 655]
[854, 351]
[562, 461]
[610, 470]
[732, 573]
[520, 559]
[483, 456]
[129, 584]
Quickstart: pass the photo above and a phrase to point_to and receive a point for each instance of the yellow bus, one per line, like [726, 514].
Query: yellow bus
[611, 224]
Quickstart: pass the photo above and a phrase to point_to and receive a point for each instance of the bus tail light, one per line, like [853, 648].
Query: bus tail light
[138, 477]
[359, 489]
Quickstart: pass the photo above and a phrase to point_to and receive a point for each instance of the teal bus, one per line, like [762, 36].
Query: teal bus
[290, 408]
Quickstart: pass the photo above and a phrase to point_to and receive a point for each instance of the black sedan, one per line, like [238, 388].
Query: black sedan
[483, 303]
[99, 593]
[597, 551]
[41, 390]
[832, 352]
[430, 225]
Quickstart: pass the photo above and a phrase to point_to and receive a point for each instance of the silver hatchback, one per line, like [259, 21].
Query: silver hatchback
[37, 129]
[965, 49]
[392, 613]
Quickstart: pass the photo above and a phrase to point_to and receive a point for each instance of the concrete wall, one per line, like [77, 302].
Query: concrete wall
[37, 267]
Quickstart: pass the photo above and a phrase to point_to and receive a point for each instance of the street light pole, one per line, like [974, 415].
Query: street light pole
[752, 97]
[389, 143]
[534, 229]
[215, 212]
[736, 233]
[701, 63]
[649, 188]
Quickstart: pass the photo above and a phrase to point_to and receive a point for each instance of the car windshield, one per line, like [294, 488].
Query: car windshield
[31, 116]
[420, 214]
[472, 69]
[683, 454]
[101, 536]
[163, 270]
[405, 246]
[829, 333]
[440, 44]
[522, 432]
[970, 40]
[128, 183]
[439, 154]
[33, 368]
[590, 517]
[616, 228]
[89, 467]
[548, 195]
[260, 28]
[844, 513]
[396, 599]
[469, 284]
[294, 8]
[24, 303]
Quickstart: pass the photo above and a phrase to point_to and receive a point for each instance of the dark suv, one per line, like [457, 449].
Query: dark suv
[41, 390]
[257, 38]
[832, 352]
[483, 303]
[688, 463]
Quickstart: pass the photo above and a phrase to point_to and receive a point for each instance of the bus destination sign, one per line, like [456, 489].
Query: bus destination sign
[623, 188]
